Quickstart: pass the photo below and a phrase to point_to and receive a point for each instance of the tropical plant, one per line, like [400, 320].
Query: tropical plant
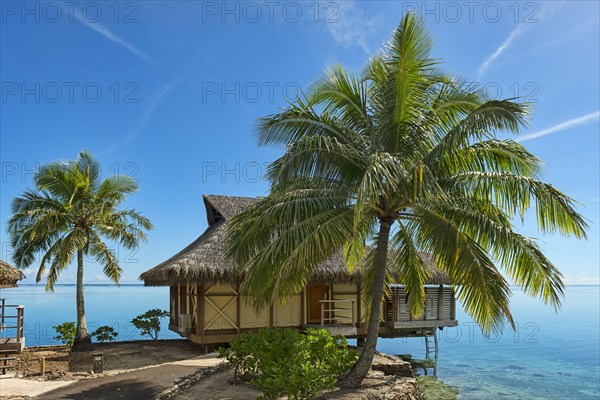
[105, 333]
[396, 162]
[70, 214]
[285, 362]
[149, 322]
[65, 333]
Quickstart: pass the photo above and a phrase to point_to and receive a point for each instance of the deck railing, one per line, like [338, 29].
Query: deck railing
[11, 322]
[334, 313]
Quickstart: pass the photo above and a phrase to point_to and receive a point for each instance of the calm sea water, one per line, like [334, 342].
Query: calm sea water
[550, 356]
[104, 305]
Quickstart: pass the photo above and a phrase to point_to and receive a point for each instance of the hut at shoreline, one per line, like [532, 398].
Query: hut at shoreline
[206, 305]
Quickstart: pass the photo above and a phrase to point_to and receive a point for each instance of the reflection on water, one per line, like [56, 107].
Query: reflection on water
[427, 380]
[425, 367]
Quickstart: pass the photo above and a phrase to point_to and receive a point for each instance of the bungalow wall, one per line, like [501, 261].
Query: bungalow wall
[218, 314]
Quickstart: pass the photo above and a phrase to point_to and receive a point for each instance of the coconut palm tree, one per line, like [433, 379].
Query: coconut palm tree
[70, 214]
[398, 161]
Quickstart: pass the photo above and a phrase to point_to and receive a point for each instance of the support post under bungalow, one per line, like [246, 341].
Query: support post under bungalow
[271, 315]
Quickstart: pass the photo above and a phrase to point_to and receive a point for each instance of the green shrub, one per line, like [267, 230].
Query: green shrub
[149, 322]
[285, 362]
[65, 333]
[104, 334]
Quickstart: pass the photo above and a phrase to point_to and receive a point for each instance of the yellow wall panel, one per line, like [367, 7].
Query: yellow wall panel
[288, 314]
[250, 319]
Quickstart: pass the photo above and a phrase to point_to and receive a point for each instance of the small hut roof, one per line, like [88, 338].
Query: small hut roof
[9, 275]
[204, 262]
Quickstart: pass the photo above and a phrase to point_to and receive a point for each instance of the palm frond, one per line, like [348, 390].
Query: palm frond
[555, 211]
[105, 257]
[482, 290]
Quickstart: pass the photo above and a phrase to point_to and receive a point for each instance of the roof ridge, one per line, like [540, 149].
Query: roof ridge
[229, 196]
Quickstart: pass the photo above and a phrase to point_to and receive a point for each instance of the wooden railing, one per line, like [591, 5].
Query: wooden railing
[330, 312]
[440, 304]
[10, 322]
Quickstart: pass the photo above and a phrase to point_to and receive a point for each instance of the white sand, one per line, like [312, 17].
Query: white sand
[11, 386]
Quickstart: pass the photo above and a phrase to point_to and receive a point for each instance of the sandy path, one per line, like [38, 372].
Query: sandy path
[13, 387]
[218, 387]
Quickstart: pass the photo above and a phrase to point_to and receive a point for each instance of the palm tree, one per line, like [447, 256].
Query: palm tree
[396, 162]
[71, 213]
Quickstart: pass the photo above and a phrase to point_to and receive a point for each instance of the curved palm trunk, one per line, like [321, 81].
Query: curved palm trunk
[362, 366]
[82, 337]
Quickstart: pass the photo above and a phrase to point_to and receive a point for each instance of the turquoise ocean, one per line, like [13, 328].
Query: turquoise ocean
[549, 356]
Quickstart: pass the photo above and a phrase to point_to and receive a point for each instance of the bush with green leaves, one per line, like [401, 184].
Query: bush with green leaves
[65, 333]
[149, 322]
[285, 362]
[104, 333]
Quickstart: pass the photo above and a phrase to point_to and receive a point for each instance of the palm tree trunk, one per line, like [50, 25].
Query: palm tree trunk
[82, 337]
[362, 366]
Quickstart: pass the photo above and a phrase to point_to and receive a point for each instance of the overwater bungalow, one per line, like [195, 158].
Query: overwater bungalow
[206, 305]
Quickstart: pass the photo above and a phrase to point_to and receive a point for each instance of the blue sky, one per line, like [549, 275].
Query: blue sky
[169, 92]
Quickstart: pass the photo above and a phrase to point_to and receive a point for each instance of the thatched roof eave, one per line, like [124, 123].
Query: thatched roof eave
[204, 260]
[9, 275]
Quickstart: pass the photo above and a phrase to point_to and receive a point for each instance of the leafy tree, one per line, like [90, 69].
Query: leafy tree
[65, 333]
[105, 333]
[149, 322]
[69, 215]
[398, 161]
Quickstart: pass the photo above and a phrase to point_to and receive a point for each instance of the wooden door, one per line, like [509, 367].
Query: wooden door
[314, 294]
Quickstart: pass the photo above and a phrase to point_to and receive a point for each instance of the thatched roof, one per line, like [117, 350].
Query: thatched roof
[9, 275]
[204, 261]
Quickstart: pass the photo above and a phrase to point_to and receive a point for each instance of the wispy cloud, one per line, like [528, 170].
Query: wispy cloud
[107, 33]
[582, 280]
[515, 33]
[562, 126]
[351, 25]
[547, 9]
[144, 117]
[150, 108]
[97, 279]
